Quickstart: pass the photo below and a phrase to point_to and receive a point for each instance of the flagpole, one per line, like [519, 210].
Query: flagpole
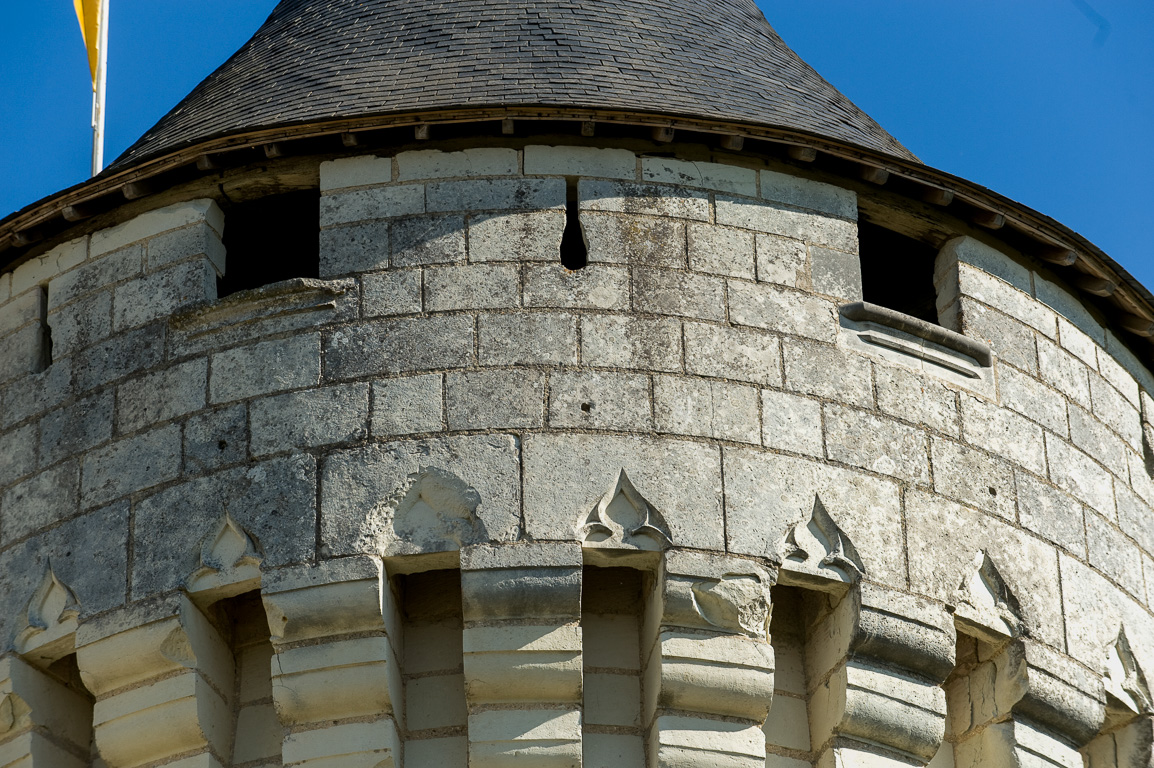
[99, 90]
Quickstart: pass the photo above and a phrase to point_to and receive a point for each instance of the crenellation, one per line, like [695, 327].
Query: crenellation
[20, 312]
[720, 177]
[812, 195]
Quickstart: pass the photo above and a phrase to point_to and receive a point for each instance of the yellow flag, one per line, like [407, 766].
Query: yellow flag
[88, 13]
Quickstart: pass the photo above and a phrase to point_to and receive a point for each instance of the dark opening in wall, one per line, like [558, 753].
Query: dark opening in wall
[897, 272]
[574, 252]
[45, 333]
[271, 239]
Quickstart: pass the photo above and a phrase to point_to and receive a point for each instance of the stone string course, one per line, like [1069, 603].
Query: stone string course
[447, 385]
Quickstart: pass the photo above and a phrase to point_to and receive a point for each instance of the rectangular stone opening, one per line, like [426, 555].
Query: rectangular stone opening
[258, 735]
[271, 239]
[611, 615]
[436, 717]
[897, 272]
[787, 732]
[73, 705]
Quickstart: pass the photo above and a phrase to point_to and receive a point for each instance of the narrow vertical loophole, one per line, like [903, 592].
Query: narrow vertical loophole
[45, 333]
[574, 252]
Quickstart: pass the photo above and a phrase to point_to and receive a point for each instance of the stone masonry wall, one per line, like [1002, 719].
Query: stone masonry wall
[447, 386]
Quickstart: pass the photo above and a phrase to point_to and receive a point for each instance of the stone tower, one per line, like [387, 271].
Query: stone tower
[500, 384]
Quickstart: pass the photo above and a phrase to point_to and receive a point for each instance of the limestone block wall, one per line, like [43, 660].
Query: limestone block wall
[687, 505]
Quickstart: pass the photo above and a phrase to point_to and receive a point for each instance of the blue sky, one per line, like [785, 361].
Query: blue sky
[1049, 102]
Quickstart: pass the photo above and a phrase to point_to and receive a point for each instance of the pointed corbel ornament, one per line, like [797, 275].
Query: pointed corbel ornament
[624, 519]
[985, 606]
[229, 561]
[51, 619]
[1127, 694]
[817, 554]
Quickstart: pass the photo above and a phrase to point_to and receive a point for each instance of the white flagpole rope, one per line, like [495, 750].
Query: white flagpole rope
[100, 90]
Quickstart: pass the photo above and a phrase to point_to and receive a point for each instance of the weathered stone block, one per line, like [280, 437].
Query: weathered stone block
[264, 368]
[566, 477]
[1076, 473]
[704, 408]
[41, 500]
[767, 494]
[1003, 433]
[75, 428]
[472, 286]
[495, 399]
[1116, 411]
[1064, 371]
[835, 273]
[1013, 342]
[666, 292]
[1051, 514]
[309, 419]
[131, 465]
[1115, 555]
[540, 338]
[773, 219]
[643, 199]
[162, 293]
[362, 490]
[18, 452]
[354, 248]
[722, 251]
[81, 323]
[943, 539]
[617, 401]
[477, 161]
[408, 405]
[39, 270]
[825, 371]
[19, 312]
[1116, 374]
[791, 423]
[396, 292]
[23, 352]
[580, 161]
[355, 172]
[274, 501]
[876, 443]
[782, 310]
[119, 356]
[973, 478]
[215, 439]
[592, 287]
[723, 178]
[1077, 343]
[975, 253]
[804, 193]
[733, 353]
[1095, 609]
[96, 274]
[1096, 439]
[96, 572]
[1134, 517]
[917, 398]
[161, 396]
[524, 236]
[1000, 295]
[35, 393]
[155, 222]
[397, 346]
[1073, 309]
[372, 203]
[1033, 399]
[427, 240]
[496, 195]
[191, 242]
[620, 341]
[639, 240]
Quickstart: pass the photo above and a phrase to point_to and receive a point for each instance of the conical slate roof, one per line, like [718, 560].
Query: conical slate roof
[318, 60]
